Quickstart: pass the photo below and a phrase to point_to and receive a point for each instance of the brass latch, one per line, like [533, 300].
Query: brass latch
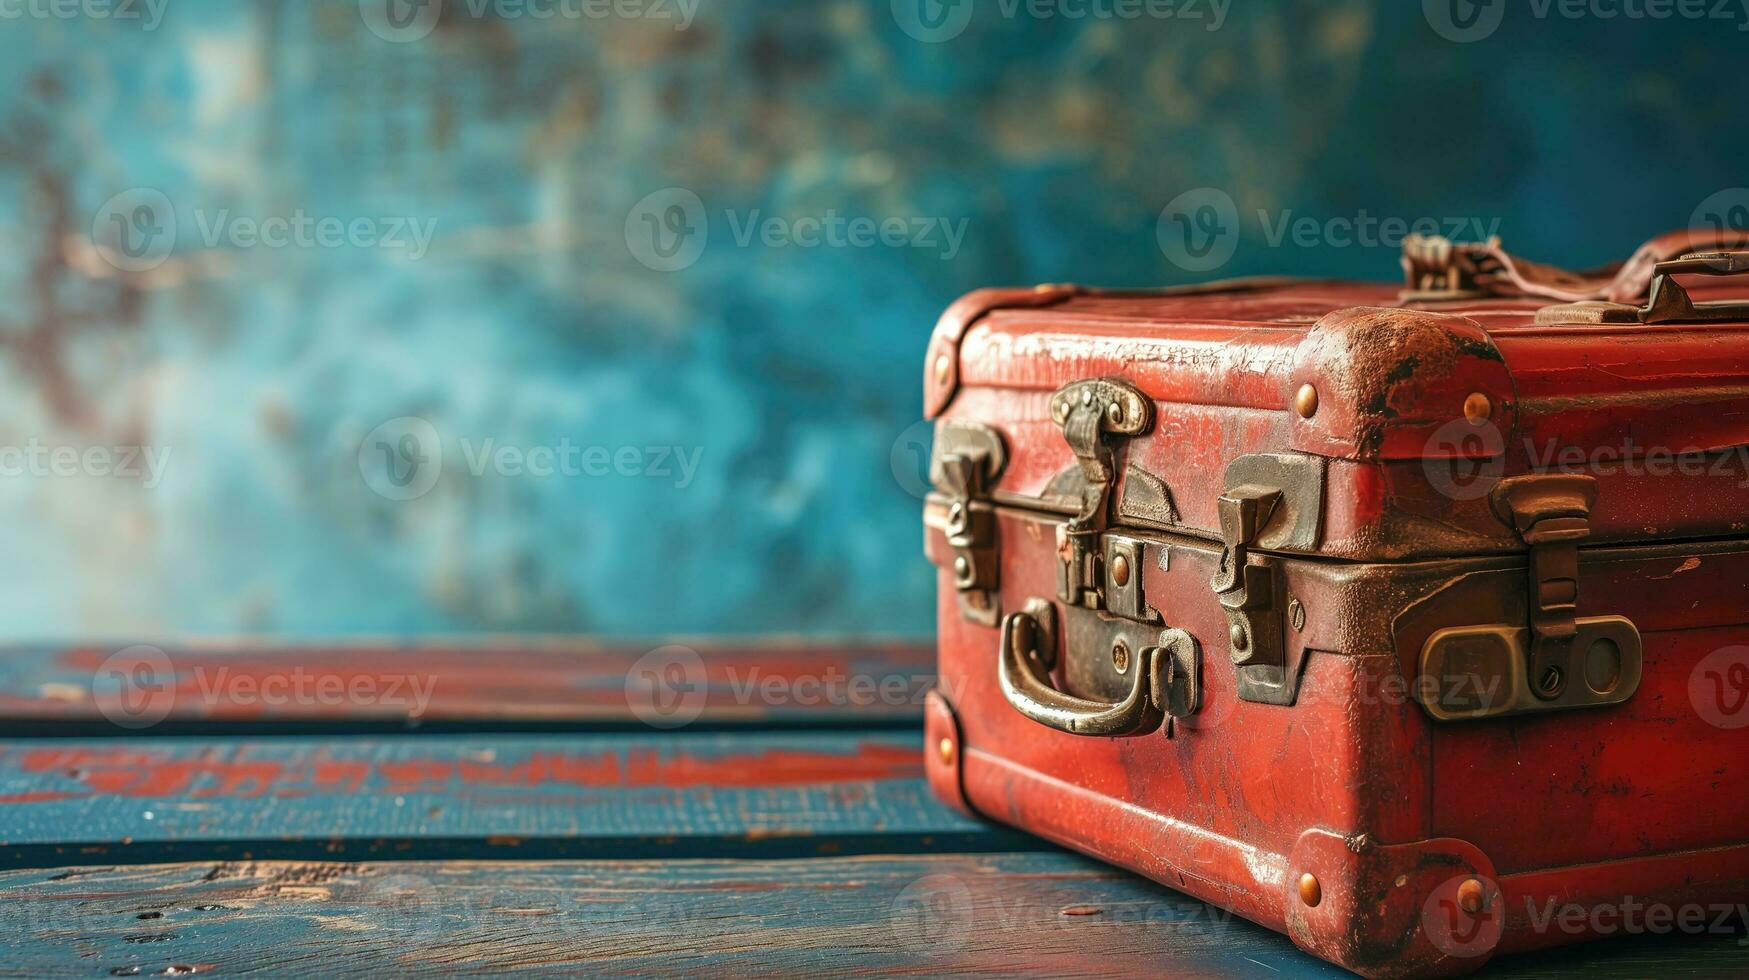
[967, 460]
[1552, 513]
[1090, 413]
[1555, 659]
[1276, 501]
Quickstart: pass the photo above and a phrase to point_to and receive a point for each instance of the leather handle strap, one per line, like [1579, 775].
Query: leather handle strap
[1487, 268]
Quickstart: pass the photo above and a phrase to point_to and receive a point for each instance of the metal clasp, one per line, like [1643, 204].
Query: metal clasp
[967, 460]
[1552, 513]
[1089, 412]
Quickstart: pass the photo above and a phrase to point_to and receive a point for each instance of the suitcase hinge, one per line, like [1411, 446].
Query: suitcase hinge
[967, 460]
[1552, 514]
[1093, 414]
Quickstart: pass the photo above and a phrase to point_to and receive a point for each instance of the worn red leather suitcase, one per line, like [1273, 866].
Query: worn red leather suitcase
[1413, 624]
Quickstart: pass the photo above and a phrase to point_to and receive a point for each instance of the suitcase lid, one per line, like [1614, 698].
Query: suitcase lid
[1419, 402]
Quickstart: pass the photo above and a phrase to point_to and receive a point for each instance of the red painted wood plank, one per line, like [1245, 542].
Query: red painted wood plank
[528, 681]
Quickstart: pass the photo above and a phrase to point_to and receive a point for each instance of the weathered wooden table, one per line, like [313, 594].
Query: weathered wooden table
[521, 816]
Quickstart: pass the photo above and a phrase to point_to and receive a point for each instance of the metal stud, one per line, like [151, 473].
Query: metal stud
[1306, 402]
[1478, 408]
[943, 367]
[1311, 891]
[1120, 569]
[1470, 895]
[945, 749]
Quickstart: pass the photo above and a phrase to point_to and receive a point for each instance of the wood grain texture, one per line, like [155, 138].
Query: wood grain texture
[992, 914]
[521, 681]
[65, 801]
[940, 914]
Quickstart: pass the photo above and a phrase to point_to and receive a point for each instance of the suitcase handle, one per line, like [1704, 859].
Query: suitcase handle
[1027, 654]
[1667, 301]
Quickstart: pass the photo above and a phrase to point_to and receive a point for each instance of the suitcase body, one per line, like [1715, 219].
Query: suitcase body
[1412, 625]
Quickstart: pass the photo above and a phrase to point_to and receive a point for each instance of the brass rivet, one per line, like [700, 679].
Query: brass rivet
[1478, 409]
[1120, 657]
[1120, 570]
[1087, 397]
[1470, 896]
[1306, 402]
[1311, 892]
[946, 750]
[962, 567]
[943, 367]
[1237, 635]
[1114, 412]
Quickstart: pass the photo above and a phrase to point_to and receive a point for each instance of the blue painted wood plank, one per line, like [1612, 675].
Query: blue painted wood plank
[998, 914]
[65, 801]
[992, 914]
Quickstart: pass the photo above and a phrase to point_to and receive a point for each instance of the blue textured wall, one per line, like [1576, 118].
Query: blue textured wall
[541, 311]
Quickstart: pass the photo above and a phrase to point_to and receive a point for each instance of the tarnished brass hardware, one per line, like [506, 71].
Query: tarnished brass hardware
[1124, 558]
[967, 461]
[1551, 512]
[1306, 401]
[1272, 501]
[1311, 891]
[1666, 299]
[1470, 896]
[1093, 415]
[1164, 676]
[1478, 408]
[1472, 672]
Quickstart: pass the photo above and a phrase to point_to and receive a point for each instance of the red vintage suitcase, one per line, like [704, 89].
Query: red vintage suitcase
[1411, 624]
